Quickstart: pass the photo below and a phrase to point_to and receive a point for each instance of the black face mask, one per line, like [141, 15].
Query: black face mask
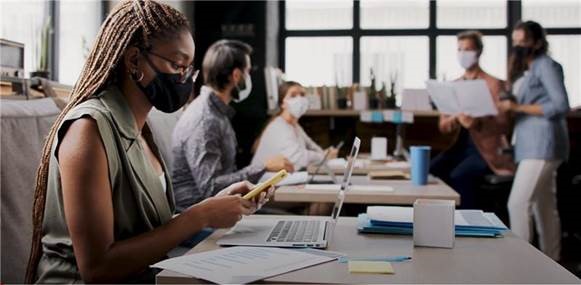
[521, 52]
[165, 92]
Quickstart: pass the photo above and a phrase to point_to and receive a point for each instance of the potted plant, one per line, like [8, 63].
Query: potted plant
[390, 99]
[342, 97]
[373, 95]
[42, 50]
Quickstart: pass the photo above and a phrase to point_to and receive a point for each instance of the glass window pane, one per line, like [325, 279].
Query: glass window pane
[565, 50]
[22, 22]
[79, 24]
[377, 14]
[553, 13]
[471, 14]
[319, 15]
[318, 61]
[493, 59]
[408, 57]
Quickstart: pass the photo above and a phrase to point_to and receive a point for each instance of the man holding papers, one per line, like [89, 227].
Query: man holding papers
[474, 152]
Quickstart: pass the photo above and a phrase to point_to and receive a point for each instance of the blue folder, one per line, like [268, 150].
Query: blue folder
[365, 225]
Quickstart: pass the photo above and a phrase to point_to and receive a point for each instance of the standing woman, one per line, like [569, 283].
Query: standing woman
[542, 141]
[103, 203]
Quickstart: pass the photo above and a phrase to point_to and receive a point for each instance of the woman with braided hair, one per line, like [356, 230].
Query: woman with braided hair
[103, 203]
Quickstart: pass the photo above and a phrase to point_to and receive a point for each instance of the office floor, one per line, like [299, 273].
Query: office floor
[571, 253]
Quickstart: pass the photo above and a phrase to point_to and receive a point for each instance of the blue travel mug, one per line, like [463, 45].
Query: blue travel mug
[420, 164]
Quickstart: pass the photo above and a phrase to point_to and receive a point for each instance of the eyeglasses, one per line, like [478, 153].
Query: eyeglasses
[185, 71]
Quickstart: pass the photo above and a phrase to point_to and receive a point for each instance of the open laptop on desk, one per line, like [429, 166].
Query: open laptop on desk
[311, 232]
[323, 164]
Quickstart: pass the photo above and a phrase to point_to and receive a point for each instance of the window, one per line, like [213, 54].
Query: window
[565, 50]
[553, 13]
[22, 22]
[402, 36]
[493, 59]
[377, 14]
[319, 15]
[471, 14]
[404, 59]
[320, 61]
[79, 24]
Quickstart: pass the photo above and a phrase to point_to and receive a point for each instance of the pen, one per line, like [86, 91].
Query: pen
[345, 259]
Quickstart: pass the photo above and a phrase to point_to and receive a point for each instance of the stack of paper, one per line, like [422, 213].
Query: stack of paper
[399, 220]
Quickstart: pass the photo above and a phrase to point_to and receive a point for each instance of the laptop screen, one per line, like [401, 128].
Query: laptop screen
[346, 178]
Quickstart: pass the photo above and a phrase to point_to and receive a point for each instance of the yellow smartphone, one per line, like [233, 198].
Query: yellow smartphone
[266, 184]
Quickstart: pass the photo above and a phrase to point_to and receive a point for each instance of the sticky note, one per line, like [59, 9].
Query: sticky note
[359, 266]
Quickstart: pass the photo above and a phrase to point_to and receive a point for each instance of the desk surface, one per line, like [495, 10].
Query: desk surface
[369, 166]
[405, 193]
[472, 260]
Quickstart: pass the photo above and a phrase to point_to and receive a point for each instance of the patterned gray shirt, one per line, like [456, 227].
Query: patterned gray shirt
[204, 150]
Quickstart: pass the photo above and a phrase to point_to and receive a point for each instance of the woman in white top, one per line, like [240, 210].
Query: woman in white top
[284, 136]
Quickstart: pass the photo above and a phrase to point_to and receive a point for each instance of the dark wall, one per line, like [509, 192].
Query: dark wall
[245, 21]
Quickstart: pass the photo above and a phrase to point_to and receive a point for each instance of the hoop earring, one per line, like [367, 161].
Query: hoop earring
[135, 77]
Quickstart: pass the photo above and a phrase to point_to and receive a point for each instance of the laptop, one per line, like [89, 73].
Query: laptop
[323, 164]
[293, 232]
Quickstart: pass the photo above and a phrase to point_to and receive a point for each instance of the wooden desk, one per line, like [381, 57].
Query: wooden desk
[405, 193]
[472, 260]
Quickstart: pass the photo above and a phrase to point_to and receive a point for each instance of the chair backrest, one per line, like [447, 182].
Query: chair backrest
[24, 125]
[162, 126]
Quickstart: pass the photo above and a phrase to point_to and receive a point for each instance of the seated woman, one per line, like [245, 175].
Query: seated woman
[283, 134]
[103, 206]
[475, 151]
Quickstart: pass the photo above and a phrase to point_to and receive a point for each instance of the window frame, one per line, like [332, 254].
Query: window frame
[54, 12]
[514, 14]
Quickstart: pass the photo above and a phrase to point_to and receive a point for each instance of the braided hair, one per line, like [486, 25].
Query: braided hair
[130, 23]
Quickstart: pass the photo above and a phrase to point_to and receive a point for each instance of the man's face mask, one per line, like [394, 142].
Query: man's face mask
[166, 91]
[242, 89]
[467, 58]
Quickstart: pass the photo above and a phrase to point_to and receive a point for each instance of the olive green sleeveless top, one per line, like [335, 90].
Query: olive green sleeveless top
[139, 202]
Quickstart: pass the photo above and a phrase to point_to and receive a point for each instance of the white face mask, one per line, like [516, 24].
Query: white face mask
[297, 106]
[467, 58]
[244, 93]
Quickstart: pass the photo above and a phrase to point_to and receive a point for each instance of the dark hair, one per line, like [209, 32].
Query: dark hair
[221, 59]
[536, 35]
[475, 37]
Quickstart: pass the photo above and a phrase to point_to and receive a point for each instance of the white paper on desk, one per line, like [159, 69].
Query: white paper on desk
[337, 187]
[241, 264]
[398, 165]
[474, 218]
[299, 177]
[341, 162]
[391, 214]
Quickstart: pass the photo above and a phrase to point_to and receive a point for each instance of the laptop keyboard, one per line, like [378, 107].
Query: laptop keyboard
[295, 231]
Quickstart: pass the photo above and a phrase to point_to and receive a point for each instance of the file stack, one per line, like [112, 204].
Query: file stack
[399, 220]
